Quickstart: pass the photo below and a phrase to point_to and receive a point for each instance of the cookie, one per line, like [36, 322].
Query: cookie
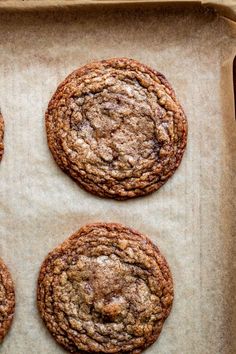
[106, 289]
[117, 128]
[7, 300]
[1, 136]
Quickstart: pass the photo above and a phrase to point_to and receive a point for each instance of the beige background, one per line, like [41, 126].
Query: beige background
[192, 218]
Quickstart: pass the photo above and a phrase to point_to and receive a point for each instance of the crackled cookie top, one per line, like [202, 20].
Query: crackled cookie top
[106, 289]
[116, 127]
[7, 300]
[1, 136]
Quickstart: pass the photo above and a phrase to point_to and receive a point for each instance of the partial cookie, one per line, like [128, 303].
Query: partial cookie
[1, 136]
[106, 289]
[117, 128]
[7, 300]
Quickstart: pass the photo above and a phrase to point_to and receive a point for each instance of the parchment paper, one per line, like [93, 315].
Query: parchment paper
[191, 218]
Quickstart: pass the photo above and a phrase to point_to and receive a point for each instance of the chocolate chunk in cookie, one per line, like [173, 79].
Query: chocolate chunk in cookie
[117, 128]
[106, 289]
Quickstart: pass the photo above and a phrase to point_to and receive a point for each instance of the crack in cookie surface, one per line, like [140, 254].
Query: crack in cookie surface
[116, 127]
[106, 289]
[7, 300]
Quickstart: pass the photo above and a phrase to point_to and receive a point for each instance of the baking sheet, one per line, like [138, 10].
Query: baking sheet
[192, 218]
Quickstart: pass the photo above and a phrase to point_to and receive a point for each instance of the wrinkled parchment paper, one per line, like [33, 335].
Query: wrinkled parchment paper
[191, 218]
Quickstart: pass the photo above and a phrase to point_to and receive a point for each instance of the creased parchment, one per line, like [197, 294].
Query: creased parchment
[191, 218]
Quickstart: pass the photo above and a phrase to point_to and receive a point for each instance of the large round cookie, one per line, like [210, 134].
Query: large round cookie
[106, 289]
[1, 136]
[117, 128]
[7, 300]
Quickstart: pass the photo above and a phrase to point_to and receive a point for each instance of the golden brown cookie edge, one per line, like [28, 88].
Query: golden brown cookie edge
[1, 136]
